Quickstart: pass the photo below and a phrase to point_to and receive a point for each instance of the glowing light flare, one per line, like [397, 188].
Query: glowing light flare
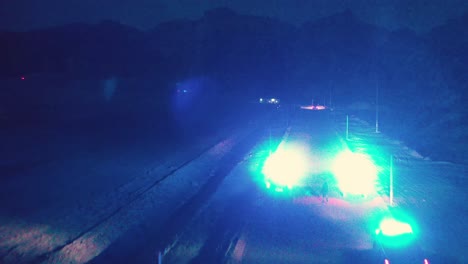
[426, 261]
[355, 173]
[320, 107]
[308, 107]
[269, 100]
[386, 261]
[286, 167]
[314, 107]
[23, 78]
[393, 227]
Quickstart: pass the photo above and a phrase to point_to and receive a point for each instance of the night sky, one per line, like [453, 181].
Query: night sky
[419, 15]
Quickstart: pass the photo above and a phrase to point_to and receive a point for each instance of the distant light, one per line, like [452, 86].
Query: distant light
[392, 227]
[308, 107]
[386, 261]
[273, 101]
[261, 100]
[23, 78]
[320, 107]
[314, 107]
[185, 90]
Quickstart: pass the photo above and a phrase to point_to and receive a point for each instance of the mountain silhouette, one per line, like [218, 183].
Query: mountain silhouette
[337, 58]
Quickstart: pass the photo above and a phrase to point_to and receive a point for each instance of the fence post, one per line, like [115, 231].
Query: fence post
[391, 180]
[347, 127]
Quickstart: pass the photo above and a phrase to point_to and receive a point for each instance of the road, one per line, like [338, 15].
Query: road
[257, 225]
[237, 220]
[215, 207]
[92, 184]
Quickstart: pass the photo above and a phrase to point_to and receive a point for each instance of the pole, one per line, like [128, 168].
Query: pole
[377, 107]
[391, 180]
[347, 127]
[269, 140]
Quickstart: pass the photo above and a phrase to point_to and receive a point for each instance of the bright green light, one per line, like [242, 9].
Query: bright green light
[257, 160]
[355, 173]
[286, 167]
[395, 229]
[392, 227]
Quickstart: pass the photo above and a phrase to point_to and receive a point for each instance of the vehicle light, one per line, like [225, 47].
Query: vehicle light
[392, 227]
[320, 107]
[355, 173]
[285, 168]
[426, 261]
[308, 107]
[386, 261]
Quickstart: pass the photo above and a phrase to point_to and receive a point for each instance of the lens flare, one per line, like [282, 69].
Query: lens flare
[286, 167]
[355, 173]
[392, 227]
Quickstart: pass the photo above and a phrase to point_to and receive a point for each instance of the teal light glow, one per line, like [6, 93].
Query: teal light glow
[355, 173]
[392, 227]
[285, 167]
[396, 229]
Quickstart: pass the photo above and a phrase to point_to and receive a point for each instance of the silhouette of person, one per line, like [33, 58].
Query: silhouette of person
[324, 192]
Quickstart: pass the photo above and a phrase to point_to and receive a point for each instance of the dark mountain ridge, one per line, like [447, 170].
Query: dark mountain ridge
[421, 78]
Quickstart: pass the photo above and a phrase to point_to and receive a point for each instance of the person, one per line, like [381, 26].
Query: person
[324, 192]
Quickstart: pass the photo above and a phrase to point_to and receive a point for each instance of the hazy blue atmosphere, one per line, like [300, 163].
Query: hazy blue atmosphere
[153, 122]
